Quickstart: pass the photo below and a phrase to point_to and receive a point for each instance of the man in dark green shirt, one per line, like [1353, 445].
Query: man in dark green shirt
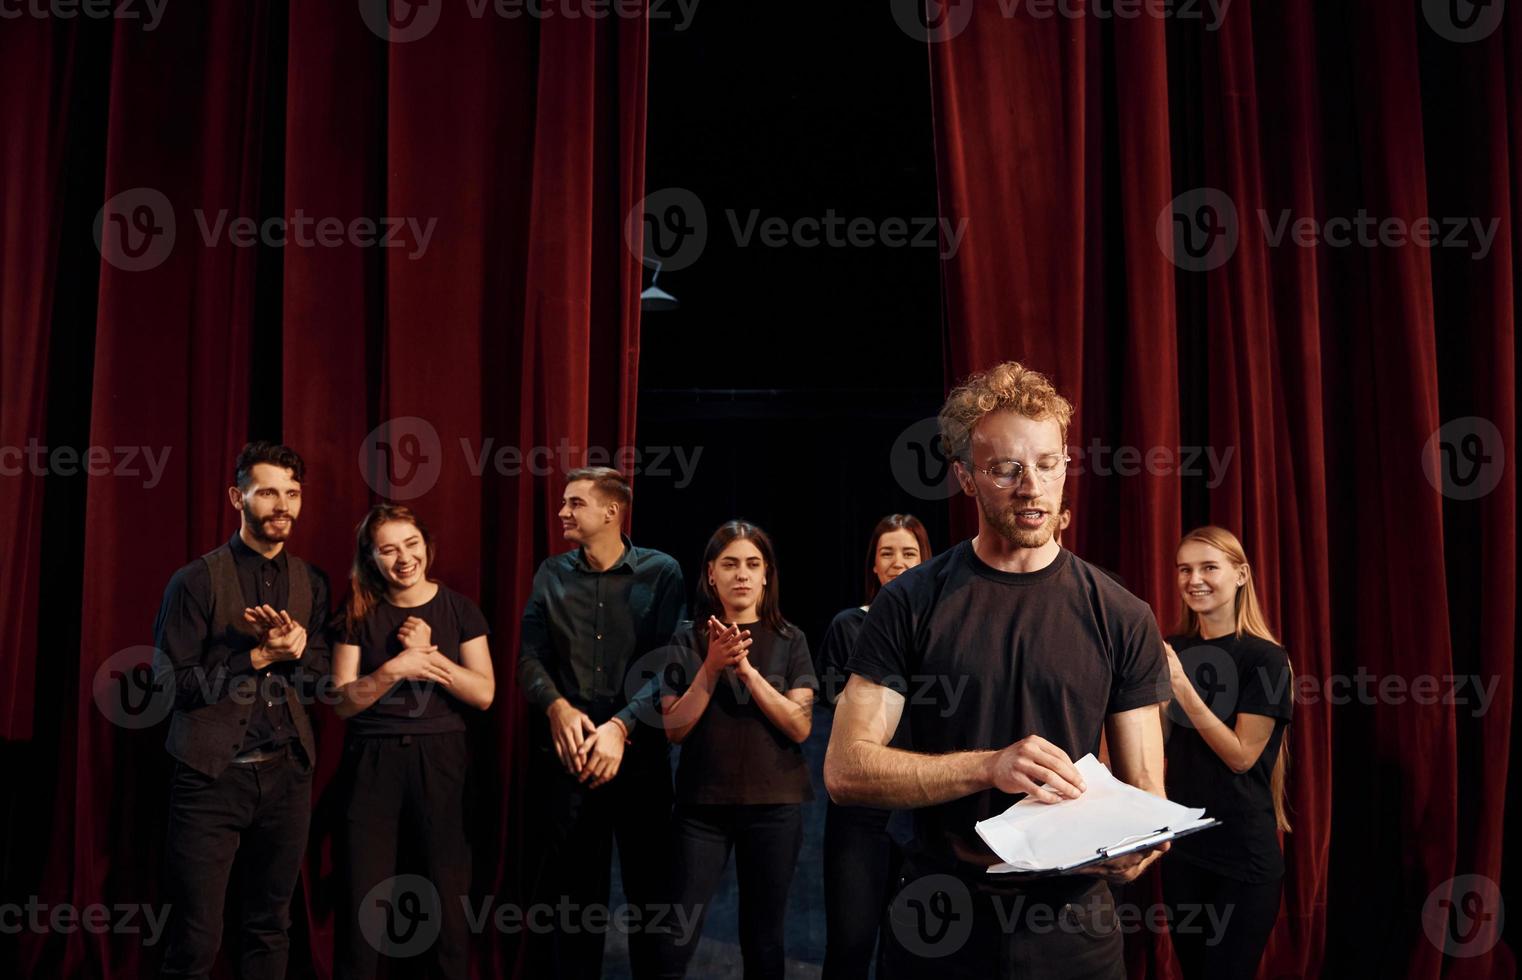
[594, 614]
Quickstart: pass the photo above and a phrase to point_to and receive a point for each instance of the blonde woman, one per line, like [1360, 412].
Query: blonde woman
[1226, 752]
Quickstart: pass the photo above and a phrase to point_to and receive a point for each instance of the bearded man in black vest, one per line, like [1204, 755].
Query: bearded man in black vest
[241, 640]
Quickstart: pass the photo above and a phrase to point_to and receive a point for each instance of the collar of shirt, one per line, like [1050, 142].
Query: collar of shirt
[625, 561]
[249, 558]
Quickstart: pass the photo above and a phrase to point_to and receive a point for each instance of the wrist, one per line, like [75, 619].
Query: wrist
[259, 657]
[621, 725]
[387, 673]
[987, 770]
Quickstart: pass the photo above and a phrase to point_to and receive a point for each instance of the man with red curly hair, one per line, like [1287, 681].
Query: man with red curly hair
[1034, 653]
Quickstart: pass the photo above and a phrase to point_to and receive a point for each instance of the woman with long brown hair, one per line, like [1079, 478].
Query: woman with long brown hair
[861, 855]
[413, 658]
[740, 704]
[1231, 708]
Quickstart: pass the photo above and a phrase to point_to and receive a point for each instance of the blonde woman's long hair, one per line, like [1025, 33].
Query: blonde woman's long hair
[1250, 621]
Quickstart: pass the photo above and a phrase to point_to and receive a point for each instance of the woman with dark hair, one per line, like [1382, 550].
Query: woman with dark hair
[739, 702]
[1229, 717]
[412, 659]
[860, 854]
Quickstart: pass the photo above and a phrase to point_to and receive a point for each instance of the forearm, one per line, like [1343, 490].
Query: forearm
[791, 718]
[1223, 741]
[471, 686]
[683, 714]
[644, 705]
[860, 772]
[535, 682]
[362, 692]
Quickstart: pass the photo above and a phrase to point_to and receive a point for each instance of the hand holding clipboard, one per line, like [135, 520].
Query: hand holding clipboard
[1087, 835]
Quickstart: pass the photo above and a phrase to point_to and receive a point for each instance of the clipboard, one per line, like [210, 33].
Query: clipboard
[1128, 845]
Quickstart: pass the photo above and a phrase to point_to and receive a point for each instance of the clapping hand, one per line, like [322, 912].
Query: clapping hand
[280, 636]
[728, 646]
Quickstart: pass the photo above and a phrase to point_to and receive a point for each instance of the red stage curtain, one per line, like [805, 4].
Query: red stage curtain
[515, 147]
[29, 186]
[1062, 140]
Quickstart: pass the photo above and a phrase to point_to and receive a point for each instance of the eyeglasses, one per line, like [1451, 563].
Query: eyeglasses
[1011, 472]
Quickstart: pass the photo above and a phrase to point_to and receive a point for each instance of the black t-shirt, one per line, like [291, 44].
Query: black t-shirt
[835, 651]
[735, 755]
[985, 658]
[839, 641]
[1234, 675]
[414, 707]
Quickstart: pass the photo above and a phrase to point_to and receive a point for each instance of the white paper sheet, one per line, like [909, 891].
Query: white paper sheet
[1036, 836]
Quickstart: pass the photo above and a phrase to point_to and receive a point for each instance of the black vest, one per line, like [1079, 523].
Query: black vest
[207, 737]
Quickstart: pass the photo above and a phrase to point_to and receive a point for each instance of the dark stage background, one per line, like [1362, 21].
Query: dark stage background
[1344, 380]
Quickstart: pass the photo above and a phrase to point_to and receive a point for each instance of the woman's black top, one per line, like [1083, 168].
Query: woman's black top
[835, 651]
[1234, 675]
[414, 707]
[735, 754]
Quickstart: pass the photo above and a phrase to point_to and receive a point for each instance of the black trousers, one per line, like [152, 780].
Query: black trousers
[257, 815]
[411, 787]
[574, 830]
[860, 861]
[1219, 925]
[765, 840]
[947, 927]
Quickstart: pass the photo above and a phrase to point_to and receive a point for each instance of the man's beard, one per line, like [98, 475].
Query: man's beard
[1008, 526]
[261, 530]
